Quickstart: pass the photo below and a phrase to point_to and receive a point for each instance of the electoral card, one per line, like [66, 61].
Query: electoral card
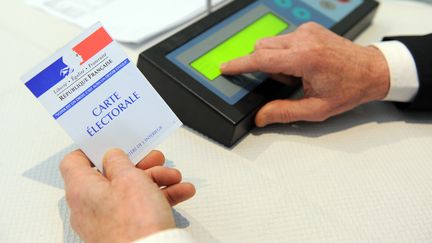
[101, 99]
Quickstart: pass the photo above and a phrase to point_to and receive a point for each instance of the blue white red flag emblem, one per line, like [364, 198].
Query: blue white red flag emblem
[67, 64]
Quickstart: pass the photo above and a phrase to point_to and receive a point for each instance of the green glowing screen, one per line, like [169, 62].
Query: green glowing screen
[240, 44]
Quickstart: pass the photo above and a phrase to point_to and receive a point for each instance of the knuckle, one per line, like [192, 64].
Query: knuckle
[258, 55]
[323, 113]
[177, 173]
[304, 27]
[113, 164]
[74, 222]
[72, 196]
[285, 116]
[63, 166]
[170, 199]
[258, 45]
[262, 60]
[311, 34]
[320, 117]
[65, 162]
[256, 58]
[279, 113]
[309, 27]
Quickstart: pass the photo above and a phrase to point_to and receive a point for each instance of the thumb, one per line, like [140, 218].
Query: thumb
[116, 162]
[285, 111]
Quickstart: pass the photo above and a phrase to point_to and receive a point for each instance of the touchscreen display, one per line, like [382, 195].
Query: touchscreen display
[240, 44]
[236, 36]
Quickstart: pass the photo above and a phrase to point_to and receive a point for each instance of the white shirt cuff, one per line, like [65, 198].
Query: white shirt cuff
[168, 236]
[404, 82]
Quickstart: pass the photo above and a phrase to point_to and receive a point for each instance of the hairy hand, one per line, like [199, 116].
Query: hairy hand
[337, 75]
[128, 202]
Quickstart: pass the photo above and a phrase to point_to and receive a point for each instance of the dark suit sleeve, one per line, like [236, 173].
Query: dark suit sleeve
[421, 49]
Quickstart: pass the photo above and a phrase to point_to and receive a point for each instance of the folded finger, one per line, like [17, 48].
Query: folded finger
[276, 42]
[73, 163]
[154, 158]
[286, 111]
[115, 163]
[164, 176]
[179, 193]
[266, 60]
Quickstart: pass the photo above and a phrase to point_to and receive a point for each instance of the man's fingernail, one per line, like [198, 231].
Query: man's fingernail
[261, 122]
[112, 153]
[259, 42]
[223, 65]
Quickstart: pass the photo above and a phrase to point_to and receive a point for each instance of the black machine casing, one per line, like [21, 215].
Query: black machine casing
[202, 110]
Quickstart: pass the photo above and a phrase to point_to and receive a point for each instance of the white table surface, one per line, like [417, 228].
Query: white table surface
[364, 176]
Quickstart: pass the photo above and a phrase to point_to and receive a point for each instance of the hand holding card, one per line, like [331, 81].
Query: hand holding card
[101, 99]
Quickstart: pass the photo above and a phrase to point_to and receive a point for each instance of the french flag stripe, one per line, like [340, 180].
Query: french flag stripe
[46, 79]
[93, 44]
[52, 75]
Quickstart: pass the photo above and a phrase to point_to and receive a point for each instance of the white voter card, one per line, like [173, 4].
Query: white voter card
[101, 99]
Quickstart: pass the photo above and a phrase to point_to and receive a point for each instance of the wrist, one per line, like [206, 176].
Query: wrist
[146, 230]
[170, 235]
[378, 74]
[150, 231]
[130, 233]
